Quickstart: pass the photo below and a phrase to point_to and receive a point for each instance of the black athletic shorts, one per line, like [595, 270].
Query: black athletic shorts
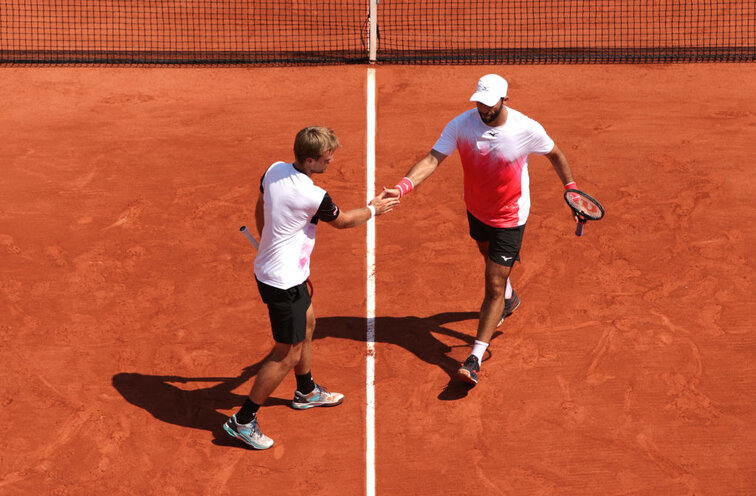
[287, 309]
[504, 243]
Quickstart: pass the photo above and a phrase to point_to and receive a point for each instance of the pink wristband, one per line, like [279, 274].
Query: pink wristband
[405, 186]
[571, 185]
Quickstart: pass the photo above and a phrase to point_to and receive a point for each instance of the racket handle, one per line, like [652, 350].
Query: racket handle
[579, 228]
[249, 236]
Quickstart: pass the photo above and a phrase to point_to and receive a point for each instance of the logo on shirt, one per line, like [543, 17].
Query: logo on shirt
[492, 133]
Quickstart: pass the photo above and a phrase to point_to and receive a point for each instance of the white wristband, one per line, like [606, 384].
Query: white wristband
[372, 210]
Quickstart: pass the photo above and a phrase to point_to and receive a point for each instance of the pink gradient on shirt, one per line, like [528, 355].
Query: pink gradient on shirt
[493, 185]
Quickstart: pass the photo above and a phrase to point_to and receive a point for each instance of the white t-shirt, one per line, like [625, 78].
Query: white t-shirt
[495, 163]
[288, 237]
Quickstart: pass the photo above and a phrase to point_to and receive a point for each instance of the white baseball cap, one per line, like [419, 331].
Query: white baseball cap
[491, 88]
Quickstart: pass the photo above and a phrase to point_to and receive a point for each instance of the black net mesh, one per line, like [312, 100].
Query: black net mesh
[290, 32]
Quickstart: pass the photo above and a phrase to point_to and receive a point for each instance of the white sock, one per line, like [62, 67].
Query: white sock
[508, 291]
[478, 349]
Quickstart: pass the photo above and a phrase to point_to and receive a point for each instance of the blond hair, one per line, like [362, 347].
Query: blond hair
[314, 142]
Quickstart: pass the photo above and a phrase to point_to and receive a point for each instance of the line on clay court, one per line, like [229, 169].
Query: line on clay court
[370, 360]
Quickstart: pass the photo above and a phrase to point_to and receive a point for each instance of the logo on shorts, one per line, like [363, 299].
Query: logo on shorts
[506, 259]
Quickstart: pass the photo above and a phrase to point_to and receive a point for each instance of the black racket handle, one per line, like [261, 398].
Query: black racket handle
[579, 228]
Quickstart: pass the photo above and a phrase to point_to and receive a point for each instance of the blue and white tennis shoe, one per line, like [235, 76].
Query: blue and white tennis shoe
[250, 434]
[319, 396]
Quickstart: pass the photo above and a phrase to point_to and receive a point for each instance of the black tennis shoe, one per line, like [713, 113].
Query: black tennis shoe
[468, 372]
[510, 305]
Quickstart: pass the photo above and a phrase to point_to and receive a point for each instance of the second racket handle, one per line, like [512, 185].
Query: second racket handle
[579, 228]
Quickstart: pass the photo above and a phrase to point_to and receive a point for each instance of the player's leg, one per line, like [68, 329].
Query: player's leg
[287, 312]
[503, 251]
[490, 314]
[304, 364]
[500, 247]
[483, 249]
[484, 235]
[244, 425]
[308, 393]
[511, 300]
[496, 276]
[279, 363]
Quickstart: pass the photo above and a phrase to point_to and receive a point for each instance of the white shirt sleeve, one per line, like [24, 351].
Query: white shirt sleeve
[447, 143]
[540, 143]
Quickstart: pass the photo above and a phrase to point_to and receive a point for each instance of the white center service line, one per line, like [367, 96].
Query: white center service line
[370, 361]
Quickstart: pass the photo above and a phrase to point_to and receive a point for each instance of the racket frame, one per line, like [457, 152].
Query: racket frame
[582, 217]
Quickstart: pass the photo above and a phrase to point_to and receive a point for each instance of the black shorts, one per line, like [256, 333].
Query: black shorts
[504, 243]
[287, 309]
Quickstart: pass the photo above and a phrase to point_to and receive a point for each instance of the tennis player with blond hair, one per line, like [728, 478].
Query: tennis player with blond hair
[494, 142]
[287, 213]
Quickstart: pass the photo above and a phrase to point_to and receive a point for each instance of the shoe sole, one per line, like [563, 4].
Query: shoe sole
[236, 435]
[306, 406]
[465, 375]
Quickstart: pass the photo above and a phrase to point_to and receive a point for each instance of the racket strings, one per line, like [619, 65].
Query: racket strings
[585, 207]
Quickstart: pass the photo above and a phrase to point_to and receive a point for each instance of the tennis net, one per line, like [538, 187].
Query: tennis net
[295, 32]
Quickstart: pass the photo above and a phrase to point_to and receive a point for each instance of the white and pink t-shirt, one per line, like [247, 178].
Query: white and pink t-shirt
[288, 238]
[495, 163]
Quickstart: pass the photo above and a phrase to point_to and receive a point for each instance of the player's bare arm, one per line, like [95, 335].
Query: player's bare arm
[560, 165]
[417, 174]
[381, 204]
[562, 168]
[260, 214]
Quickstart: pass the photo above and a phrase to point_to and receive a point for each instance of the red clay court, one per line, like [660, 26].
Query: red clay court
[131, 327]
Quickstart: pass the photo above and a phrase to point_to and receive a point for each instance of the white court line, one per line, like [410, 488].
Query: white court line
[370, 365]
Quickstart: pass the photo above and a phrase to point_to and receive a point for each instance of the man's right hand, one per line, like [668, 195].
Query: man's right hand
[384, 203]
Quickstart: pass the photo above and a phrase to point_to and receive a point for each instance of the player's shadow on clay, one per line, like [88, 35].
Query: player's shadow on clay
[190, 402]
[178, 400]
[418, 336]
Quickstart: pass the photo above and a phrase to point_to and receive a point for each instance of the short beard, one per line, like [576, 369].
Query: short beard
[494, 116]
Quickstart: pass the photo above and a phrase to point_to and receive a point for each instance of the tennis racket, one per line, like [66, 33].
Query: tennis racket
[585, 207]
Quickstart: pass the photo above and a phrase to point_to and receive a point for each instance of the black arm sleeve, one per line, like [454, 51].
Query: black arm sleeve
[328, 210]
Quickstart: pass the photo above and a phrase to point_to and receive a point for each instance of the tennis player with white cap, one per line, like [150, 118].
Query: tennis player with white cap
[494, 142]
